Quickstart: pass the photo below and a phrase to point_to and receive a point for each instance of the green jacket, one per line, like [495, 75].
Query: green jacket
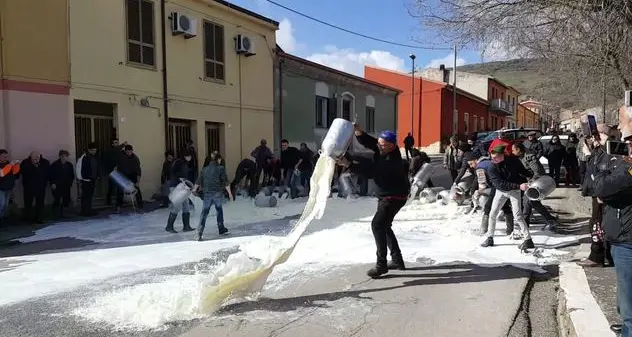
[213, 178]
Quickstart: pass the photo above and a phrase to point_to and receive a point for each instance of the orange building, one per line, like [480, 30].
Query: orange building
[429, 116]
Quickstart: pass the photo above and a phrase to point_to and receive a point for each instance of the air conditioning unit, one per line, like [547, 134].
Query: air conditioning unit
[183, 25]
[244, 45]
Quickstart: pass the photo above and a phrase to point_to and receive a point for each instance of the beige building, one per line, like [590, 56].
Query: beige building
[97, 73]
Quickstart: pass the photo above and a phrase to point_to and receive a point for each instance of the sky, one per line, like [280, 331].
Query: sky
[384, 19]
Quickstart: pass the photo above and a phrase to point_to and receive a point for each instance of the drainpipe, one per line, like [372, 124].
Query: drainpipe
[241, 111]
[280, 100]
[165, 90]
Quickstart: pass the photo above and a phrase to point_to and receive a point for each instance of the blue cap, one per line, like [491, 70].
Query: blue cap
[389, 136]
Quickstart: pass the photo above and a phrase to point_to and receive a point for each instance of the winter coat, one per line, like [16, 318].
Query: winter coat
[409, 141]
[534, 147]
[530, 162]
[307, 157]
[508, 174]
[555, 153]
[598, 161]
[9, 172]
[166, 171]
[614, 188]
[570, 160]
[87, 168]
[62, 174]
[181, 169]
[35, 177]
[111, 157]
[581, 156]
[261, 153]
[289, 159]
[213, 178]
[450, 157]
[389, 171]
[129, 166]
[482, 176]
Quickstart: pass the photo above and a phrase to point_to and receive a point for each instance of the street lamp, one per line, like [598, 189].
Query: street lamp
[412, 96]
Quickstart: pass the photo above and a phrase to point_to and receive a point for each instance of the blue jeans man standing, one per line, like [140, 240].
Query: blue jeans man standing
[622, 255]
[213, 181]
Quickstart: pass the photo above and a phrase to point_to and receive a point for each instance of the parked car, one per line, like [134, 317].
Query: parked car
[545, 141]
[511, 135]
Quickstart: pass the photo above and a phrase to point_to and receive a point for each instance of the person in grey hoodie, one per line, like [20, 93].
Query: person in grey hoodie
[213, 181]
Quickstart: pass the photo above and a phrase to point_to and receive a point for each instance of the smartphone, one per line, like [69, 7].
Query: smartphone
[592, 125]
[617, 148]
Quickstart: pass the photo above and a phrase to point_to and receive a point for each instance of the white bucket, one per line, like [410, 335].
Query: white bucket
[180, 193]
[338, 138]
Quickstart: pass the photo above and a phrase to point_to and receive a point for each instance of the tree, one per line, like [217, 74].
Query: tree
[582, 41]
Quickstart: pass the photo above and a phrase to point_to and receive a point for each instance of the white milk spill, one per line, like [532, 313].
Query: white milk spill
[185, 297]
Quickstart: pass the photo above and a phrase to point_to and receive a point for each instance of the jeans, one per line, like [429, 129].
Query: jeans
[622, 254]
[381, 225]
[290, 180]
[4, 203]
[500, 198]
[175, 209]
[212, 199]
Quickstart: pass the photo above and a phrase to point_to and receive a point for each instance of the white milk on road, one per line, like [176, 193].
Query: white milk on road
[187, 297]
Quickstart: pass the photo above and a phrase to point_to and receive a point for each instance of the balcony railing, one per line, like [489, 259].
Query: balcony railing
[500, 105]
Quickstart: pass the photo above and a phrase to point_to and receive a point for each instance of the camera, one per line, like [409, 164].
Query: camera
[617, 148]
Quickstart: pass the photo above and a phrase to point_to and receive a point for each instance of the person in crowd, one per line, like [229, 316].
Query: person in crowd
[129, 166]
[500, 141]
[189, 147]
[597, 160]
[35, 178]
[62, 175]
[450, 158]
[213, 181]
[182, 169]
[507, 175]
[417, 160]
[464, 152]
[409, 142]
[261, 154]
[87, 172]
[9, 172]
[613, 187]
[306, 165]
[555, 153]
[165, 173]
[481, 165]
[570, 162]
[110, 160]
[272, 171]
[246, 170]
[533, 165]
[390, 175]
[534, 145]
[581, 152]
[290, 157]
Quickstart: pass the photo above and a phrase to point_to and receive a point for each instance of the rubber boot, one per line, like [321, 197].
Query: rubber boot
[484, 224]
[397, 263]
[222, 230]
[509, 220]
[380, 269]
[170, 221]
[186, 222]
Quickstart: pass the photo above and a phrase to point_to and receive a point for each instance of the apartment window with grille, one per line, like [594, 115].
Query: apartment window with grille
[214, 60]
[466, 122]
[322, 112]
[370, 119]
[140, 33]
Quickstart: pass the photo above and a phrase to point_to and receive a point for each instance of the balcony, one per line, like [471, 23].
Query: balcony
[501, 106]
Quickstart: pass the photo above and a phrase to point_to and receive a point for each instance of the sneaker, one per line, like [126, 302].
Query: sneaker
[199, 237]
[223, 230]
[489, 242]
[526, 244]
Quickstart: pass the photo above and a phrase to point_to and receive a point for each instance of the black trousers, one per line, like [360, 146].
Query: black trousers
[381, 225]
[250, 178]
[582, 171]
[87, 193]
[488, 205]
[554, 171]
[34, 196]
[408, 152]
[599, 248]
[529, 205]
[61, 198]
[112, 191]
[454, 173]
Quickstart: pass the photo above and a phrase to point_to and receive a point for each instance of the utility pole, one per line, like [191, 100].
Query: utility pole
[454, 110]
[412, 98]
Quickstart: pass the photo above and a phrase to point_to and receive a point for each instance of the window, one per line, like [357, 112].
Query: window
[482, 123]
[455, 122]
[370, 119]
[323, 120]
[466, 122]
[474, 123]
[346, 108]
[214, 66]
[140, 32]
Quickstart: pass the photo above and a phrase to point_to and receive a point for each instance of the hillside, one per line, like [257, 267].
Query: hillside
[534, 77]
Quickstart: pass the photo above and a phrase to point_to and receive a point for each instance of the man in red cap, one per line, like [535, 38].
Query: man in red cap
[390, 174]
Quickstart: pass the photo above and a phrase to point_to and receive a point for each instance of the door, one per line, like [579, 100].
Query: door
[98, 129]
[346, 108]
[213, 142]
[179, 134]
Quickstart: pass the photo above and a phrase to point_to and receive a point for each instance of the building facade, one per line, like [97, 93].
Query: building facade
[314, 95]
[525, 117]
[103, 78]
[547, 115]
[499, 95]
[428, 111]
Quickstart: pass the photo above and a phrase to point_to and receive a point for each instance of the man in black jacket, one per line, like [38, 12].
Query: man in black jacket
[613, 187]
[289, 164]
[507, 175]
[62, 175]
[129, 166]
[245, 170]
[110, 159]
[390, 174]
[182, 169]
[35, 178]
[87, 172]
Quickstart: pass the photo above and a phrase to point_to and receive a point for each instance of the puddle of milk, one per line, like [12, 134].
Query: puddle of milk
[186, 297]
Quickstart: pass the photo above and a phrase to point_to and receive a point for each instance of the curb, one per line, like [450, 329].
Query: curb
[579, 314]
